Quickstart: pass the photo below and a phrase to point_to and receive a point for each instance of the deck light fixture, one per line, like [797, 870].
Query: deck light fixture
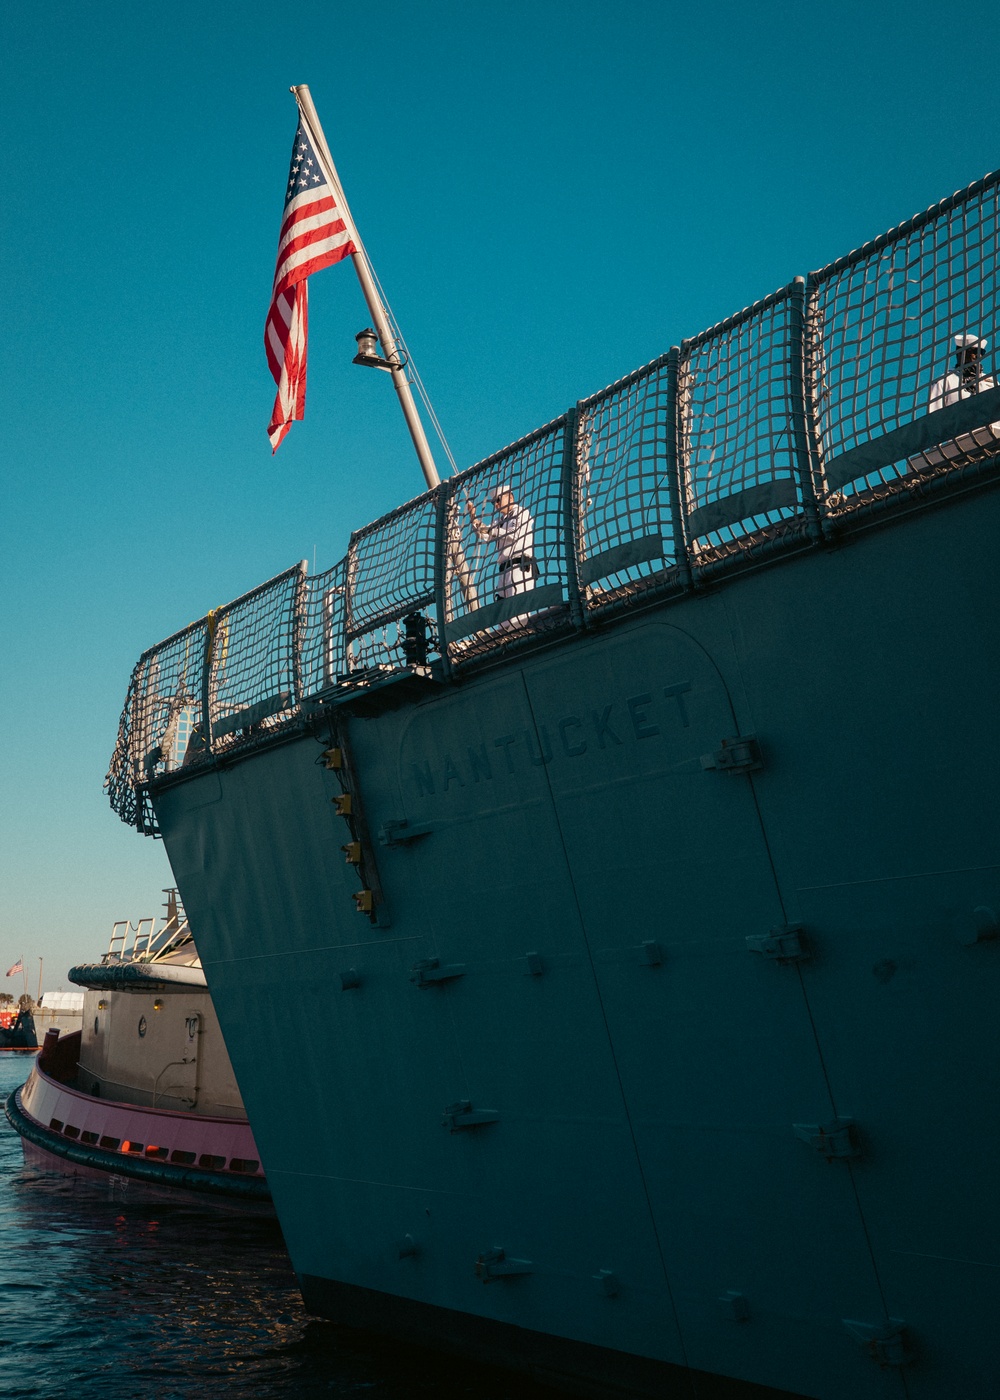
[368, 352]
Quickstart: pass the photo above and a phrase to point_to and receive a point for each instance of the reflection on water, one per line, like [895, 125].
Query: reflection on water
[103, 1295]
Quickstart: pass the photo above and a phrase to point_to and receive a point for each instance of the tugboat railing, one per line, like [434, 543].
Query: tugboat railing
[795, 420]
[119, 947]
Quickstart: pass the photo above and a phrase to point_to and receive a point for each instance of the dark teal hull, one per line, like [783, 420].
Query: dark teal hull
[702, 1154]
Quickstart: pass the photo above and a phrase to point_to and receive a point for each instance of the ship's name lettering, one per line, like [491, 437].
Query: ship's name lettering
[645, 716]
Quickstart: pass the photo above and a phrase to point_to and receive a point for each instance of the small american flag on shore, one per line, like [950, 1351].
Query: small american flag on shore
[18, 967]
[313, 236]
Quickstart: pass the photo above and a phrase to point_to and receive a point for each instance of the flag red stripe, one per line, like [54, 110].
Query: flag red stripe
[289, 403]
[313, 235]
[308, 249]
[306, 230]
[308, 266]
[273, 362]
[296, 212]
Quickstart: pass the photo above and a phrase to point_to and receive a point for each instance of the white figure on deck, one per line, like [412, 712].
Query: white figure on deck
[513, 534]
[966, 378]
[963, 382]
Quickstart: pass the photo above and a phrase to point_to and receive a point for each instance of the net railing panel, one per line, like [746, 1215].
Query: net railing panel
[883, 355]
[252, 682]
[168, 703]
[504, 564]
[623, 486]
[391, 566]
[162, 713]
[323, 656]
[741, 470]
[390, 576]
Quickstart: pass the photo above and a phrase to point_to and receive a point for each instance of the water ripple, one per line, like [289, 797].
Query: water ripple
[111, 1298]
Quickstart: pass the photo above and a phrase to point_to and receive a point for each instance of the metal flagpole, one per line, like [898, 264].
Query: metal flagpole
[360, 259]
[41, 964]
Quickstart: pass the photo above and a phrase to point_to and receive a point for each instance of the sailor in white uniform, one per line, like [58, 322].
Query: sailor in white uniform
[513, 533]
[966, 378]
[964, 381]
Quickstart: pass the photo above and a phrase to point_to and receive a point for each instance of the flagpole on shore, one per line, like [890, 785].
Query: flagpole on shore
[374, 301]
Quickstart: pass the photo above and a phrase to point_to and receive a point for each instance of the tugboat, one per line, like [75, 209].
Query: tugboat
[21, 1033]
[25, 1029]
[145, 1090]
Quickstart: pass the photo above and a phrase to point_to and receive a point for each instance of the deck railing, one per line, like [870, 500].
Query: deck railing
[793, 420]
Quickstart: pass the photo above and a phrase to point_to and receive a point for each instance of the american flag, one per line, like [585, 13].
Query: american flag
[313, 236]
[18, 967]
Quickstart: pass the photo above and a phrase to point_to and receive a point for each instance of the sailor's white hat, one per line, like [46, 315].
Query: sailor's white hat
[495, 492]
[963, 341]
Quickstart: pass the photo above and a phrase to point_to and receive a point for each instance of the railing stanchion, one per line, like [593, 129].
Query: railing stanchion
[571, 521]
[350, 577]
[442, 559]
[206, 684]
[298, 629]
[799, 408]
[672, 453]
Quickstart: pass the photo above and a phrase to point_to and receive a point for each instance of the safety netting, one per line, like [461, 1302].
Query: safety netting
[163, 708]
[390, 578]
[865, 386]
[219, 685]
[901, 330]
[323, 636]
[250, 669]
[739, 408]
[504, 547]
[625, 488]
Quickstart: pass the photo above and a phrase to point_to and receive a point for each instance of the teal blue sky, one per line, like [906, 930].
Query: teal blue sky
[552, 193]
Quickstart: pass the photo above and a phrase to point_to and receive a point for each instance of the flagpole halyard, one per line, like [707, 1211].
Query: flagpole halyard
[362, 267]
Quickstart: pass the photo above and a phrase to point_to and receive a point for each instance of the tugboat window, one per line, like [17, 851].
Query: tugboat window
[142, 1026]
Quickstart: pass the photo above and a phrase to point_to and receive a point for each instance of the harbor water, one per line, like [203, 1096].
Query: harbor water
[106, 1295]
